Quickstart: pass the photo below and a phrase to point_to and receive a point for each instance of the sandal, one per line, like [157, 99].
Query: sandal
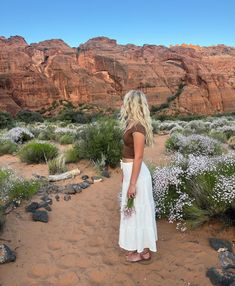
[142, 259]
[130, 253]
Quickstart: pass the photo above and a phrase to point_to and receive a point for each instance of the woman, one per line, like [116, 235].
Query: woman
[137, 233]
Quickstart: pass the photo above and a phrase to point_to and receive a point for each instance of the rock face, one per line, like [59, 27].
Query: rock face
[101, 71]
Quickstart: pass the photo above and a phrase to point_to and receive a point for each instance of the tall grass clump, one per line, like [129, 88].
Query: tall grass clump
[72, 155]
[57, 165]
[103, 137]
[37, 152]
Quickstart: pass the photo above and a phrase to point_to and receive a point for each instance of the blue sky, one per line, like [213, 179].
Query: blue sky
[165, 22]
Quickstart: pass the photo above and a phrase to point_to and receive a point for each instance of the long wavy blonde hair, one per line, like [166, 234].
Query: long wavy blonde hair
[135, 108]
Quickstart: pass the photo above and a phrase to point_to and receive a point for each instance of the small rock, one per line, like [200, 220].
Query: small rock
[69, 191]
[96, 179]
[217, 243]
[220, 278]
[57, 197]
[40, 216]
[105, 173]
[32, 207]
[67, 197]
[85, 177]
[38, 176]
[72, 189]
[48, 208]
[49, 201]
[6, 254]
[44, 198]
[84, 184]
[227, 259]
[42, 204]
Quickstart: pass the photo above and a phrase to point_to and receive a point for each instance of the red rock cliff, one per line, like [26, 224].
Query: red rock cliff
[101, 71]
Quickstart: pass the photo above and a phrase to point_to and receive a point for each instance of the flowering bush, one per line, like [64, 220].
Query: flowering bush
[194, 144]
[195, 188]
[19, 135]
[14, 189]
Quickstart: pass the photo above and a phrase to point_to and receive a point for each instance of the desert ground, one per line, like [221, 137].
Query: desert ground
[79, 244]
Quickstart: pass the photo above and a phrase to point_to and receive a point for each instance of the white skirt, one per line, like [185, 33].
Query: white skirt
[138, 231]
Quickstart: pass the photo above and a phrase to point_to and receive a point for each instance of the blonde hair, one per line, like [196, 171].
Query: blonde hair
[135, 108]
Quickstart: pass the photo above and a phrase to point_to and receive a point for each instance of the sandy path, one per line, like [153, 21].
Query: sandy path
[79, 245]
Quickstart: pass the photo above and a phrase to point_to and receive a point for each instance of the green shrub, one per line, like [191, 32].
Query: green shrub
[6, 120]
[71, 155]
[23, 189]
[103, 138]
[29, 116]
[7, 147]
[37, 152]
[57, 165]
[71, 115]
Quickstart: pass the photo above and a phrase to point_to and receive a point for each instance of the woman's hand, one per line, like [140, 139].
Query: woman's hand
[131, 193]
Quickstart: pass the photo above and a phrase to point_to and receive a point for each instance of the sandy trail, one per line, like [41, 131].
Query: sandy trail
[79, 245]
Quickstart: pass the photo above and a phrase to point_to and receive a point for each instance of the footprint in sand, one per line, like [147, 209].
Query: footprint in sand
[56, 245]
[70, 278]
[42, 271]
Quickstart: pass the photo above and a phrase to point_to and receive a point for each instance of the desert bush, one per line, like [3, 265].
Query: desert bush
[71, 115]
[198, 126]
[218, 135]
[231, 142]
[194, 144]
[66, 139]
[6, 120]
[7, 147]
[47, 133]
[167, 126]
[229, 131]
[155, 126]
[104, 137]
[195, 189]
[37, 152]
[19, 135]
[65, 135]
[57, 165]
[177, 129]
[29, 116]
[219, 122]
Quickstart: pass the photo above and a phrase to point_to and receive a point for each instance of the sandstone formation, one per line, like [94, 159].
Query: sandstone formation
[100, 71]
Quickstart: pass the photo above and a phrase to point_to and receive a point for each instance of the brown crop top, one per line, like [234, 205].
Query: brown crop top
[128, 147]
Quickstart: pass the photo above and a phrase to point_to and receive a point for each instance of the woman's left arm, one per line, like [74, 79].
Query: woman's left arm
[139, 142]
